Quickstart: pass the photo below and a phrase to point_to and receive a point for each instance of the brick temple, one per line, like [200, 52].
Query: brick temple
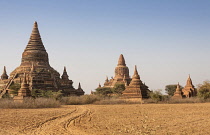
[187, 92]
[36, 71]
[122, 77]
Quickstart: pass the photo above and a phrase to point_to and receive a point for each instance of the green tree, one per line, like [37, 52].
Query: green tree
[118, 88]
[104, 91]
[170, 89]
[204, 90]
[46, 93]
[14, 87]
[156, 95]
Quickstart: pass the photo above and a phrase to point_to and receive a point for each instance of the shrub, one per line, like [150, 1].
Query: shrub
[111, 101]
[14, 87]
[156, 96]
[46, 93]
[75, 100]
[204, 90]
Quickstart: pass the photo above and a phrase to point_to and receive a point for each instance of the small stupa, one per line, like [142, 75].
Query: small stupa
[178, 92]
[134, 88]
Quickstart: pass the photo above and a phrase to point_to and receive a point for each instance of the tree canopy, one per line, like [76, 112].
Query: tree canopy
[204, 90]
[170, 89]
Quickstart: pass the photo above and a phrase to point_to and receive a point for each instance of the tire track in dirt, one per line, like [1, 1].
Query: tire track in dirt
[60, 124]
[33, 127]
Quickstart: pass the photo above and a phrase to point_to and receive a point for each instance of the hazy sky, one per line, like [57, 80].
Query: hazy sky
[166, 39]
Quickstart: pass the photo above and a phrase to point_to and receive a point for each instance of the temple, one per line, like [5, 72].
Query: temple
[178, 92]
[189, 89]
[36, 70]
[187, 92]
[134, 88]
[122, 77]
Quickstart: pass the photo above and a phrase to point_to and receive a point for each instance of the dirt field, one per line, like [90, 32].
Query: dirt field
[135, 119]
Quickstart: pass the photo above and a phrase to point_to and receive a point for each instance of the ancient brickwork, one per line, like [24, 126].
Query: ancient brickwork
[178, 92]
[189, 89]
[39, 73]
[122, 77]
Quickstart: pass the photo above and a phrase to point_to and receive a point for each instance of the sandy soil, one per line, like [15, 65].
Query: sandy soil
[135, 119]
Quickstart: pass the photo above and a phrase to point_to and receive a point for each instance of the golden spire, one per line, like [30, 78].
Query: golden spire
[121, 60]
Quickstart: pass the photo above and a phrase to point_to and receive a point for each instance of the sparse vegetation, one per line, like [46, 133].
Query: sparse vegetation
[107, 91]
[30, 103]
[79, 100]
[46, 94]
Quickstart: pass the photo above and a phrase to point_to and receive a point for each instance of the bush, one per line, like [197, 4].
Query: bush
[30, 103]
[46, 93]
[111, 101]
[156, 96]
[204, 90]
[75, 100]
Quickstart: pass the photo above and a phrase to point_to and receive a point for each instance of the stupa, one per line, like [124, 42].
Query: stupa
[189, 89]
[178, 92]
[134, 88]
[40, 75]
[122, 77]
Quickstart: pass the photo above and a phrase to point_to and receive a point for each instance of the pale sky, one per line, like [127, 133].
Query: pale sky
[166, 39]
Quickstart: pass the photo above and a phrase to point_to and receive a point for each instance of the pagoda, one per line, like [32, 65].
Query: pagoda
[39, 74]
[122, 77]
[134, 88]
[178, 92]
[121, 74]
[189, 89]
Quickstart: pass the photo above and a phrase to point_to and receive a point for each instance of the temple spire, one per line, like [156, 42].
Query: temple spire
[35, 41]
[79, 87]
[178, 87]
[107, 80]
[135, 75]
[189, 81]
[4, 76]
[121, 60]
[65, 75]
[24, 89]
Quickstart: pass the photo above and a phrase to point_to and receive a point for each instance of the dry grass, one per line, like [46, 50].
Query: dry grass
[112, 101]
[30, 103]
[81, 100]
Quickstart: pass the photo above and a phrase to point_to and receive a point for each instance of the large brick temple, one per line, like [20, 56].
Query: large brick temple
[134, 86]
[36, 67]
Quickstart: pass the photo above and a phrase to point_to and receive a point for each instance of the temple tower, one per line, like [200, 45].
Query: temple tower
[121, 71]
[121, 74]
[40, 75]
[189, 89]
[134, 88]
[80, 90]
[24, 89]
[178, 92]
[4, 76]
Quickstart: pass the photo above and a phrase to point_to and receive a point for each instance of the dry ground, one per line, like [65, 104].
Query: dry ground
[135, 119]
